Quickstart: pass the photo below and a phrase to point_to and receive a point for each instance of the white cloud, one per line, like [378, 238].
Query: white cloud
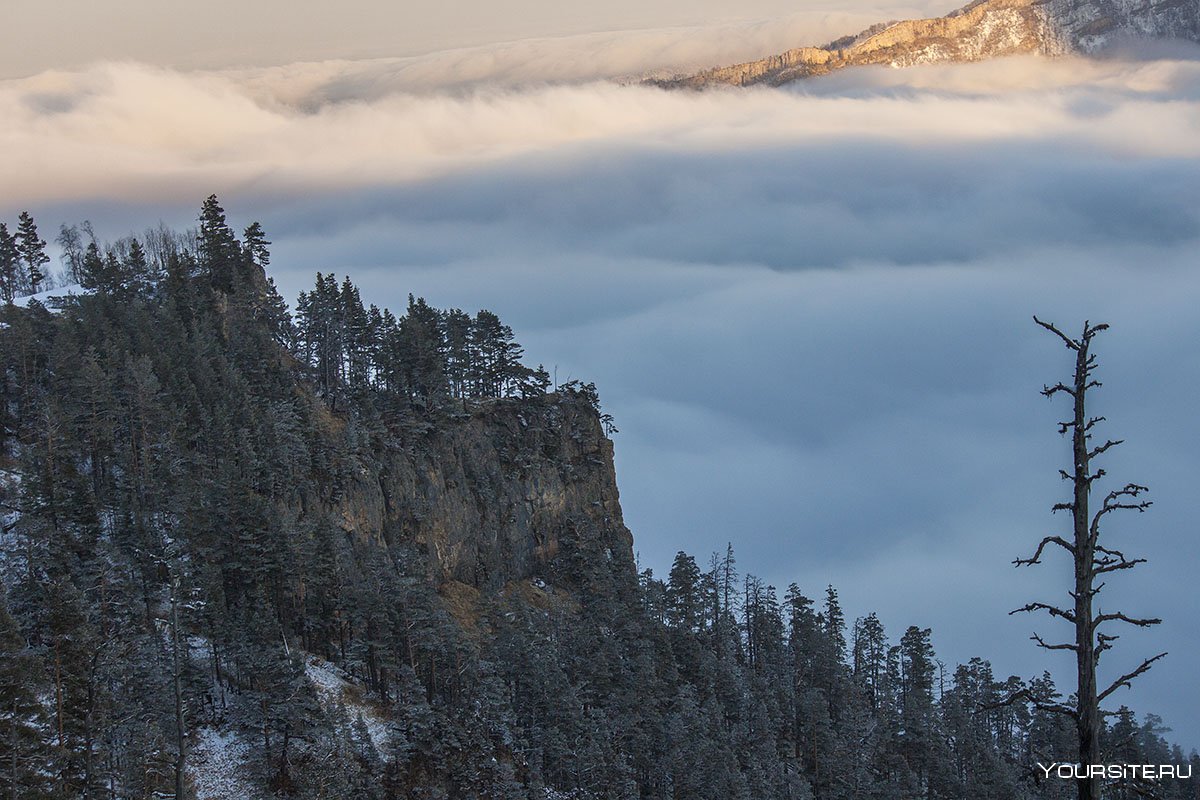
[126, 129]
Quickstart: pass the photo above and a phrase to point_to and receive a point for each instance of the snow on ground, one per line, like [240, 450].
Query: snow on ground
[215, 755]
[48, 297]
[331, 686]
[214, 765]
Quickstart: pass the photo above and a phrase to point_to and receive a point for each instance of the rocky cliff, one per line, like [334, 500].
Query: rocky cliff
[513, 490]
[984, 29]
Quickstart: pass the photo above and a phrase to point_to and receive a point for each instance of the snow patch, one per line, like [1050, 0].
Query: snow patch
[331, 686]
[214, 766]
[51, 298]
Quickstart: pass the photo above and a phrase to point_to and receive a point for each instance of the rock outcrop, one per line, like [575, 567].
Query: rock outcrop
[513, 490]
[984, 29]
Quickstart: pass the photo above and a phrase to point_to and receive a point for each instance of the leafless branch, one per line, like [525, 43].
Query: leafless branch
[1104, 447]
[1108, 508]
[1119, 617]
[1026, 694]
[1067, 340]
[1105, 641]
[1130, 490]
[1054, 611]
[1058, 540]
[1042, 643]
[1112, 503]
[1107, 565]
[1125, 679]
[1050, 391]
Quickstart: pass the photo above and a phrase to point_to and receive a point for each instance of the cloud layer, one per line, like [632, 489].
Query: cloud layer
[809, 309]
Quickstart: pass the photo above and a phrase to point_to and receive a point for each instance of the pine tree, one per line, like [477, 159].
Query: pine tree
[22, 746]
[254, 245]
[10, 265]
[422, 355]
[683, 595]
[916, 704]
[217, 250]
[460, 353]
[137, 273]
[870, 657]
[33, 251]
[358, 337]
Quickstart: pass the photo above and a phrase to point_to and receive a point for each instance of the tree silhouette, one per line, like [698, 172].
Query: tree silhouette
[33, 251]
[1091, 558]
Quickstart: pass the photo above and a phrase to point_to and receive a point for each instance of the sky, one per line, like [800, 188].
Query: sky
[809, 309]
[49, 34]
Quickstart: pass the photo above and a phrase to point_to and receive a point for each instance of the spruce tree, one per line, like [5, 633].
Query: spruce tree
[10, 265]
[216, 248]
[254, 245]
[22, 730]
[33, 252]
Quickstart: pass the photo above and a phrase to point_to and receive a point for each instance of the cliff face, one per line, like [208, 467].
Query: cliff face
[513, 490]
[981, 30]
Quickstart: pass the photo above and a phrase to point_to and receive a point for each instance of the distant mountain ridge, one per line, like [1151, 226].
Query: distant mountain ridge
[981, 30]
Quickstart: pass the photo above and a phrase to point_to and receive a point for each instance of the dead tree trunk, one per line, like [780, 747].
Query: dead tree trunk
[1091, 559]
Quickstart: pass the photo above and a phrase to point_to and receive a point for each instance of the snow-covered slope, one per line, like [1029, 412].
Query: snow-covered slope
[1089, 26]
[219, 752]
[50, 297]
[984, 29]
[334, 688]
[215, 766]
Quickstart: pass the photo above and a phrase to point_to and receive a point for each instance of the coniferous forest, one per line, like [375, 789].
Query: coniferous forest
[342, 552]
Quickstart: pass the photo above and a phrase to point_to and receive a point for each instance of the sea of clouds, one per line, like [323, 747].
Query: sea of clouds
[809, 308]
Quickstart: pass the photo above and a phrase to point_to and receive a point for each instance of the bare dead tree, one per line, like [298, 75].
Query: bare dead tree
[1092, 560]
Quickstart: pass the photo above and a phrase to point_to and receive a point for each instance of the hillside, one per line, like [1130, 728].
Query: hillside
[981, 30]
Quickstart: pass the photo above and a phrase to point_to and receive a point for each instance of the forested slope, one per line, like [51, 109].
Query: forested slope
[343, 553]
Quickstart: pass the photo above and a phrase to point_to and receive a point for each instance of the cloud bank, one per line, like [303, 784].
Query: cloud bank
[808, 309]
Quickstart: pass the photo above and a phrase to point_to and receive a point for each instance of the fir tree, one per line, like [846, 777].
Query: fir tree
[10, 265]
[33, 252]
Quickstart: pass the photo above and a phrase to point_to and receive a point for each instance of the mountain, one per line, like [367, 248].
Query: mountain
[981, 30]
